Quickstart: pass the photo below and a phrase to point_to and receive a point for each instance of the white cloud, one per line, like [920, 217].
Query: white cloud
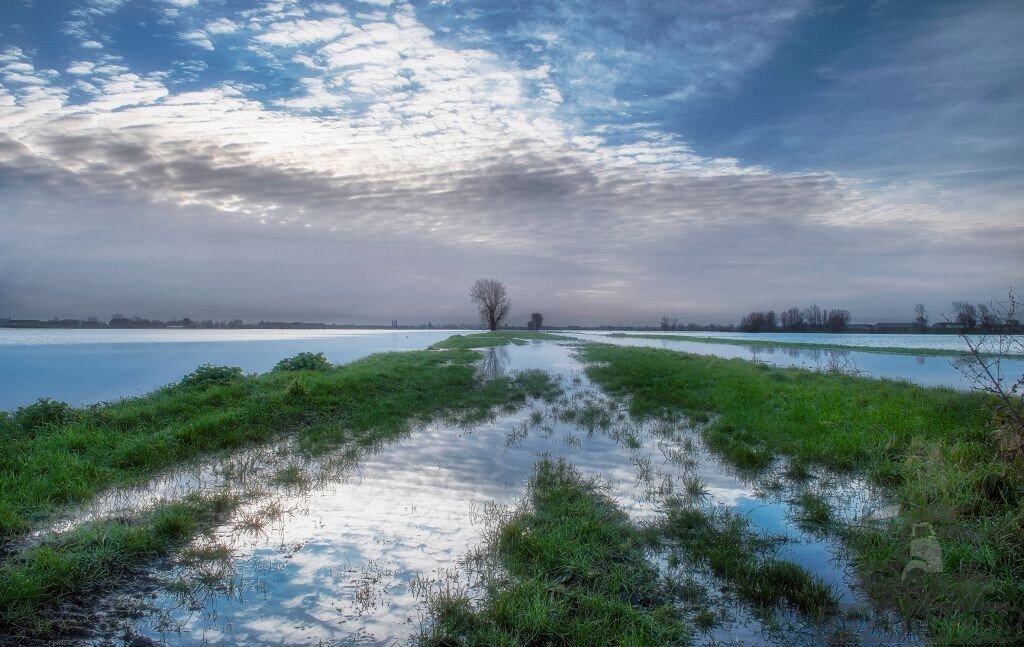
[300, 32]
[221, 26]
[198, 38]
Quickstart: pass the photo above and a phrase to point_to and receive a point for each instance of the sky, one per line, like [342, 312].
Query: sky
[610, 162]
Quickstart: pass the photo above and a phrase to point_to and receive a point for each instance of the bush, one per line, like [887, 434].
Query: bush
[43, 412]
[304, 362]
[208, 374]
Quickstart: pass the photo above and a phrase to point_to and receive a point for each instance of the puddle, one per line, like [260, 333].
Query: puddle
[341, 550]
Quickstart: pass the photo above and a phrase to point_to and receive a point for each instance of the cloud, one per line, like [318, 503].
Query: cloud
[381, 150]
[221, 26]
[198, 38]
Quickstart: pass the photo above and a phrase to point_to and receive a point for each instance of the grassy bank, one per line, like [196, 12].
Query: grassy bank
[574, 574]
[930, 446]
[57, 455]
[764, 343]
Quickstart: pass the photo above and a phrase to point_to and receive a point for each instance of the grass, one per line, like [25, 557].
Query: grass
[765, 343]
[57, 455]
[722, 540]
[495, 338]
[930, 447]
[96, 556]
[575, 574]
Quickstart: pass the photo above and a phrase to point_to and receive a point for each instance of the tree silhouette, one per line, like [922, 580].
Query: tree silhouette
[490, 297]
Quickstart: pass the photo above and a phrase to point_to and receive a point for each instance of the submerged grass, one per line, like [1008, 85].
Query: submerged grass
[930, 447]
[495, 338]
[574, 574]
[93, 557]
[766, 343]
[723, 541]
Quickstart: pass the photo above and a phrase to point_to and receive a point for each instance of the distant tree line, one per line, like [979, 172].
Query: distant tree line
[983, 318]
[810, 319]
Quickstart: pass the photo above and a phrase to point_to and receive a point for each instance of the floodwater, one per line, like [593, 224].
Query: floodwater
[925, 370]
[351, 552]
[86, 366]
[867, 340]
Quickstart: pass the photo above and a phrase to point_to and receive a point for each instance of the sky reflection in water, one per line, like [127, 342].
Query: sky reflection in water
[342, 565]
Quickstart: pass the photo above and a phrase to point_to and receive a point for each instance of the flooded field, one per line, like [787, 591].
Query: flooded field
[350, 547]
[86, 366]
[924, 369]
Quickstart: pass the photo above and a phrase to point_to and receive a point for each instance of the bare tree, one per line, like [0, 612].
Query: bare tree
[813, 317]
[983, 367]
[490, 297]
[836, 320]
[537, 319]
[921, 317]
[793, 319]
[966, 314]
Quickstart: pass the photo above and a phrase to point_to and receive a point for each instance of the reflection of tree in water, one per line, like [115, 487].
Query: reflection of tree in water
[494, 363]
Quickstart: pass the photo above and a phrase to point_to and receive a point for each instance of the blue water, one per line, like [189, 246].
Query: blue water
[85, 366]
[926, 370]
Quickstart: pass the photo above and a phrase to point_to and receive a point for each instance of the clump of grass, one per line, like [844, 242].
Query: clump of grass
[304, 362]
[814, 512]
[575, 575]
[723, 541]
[209, 374]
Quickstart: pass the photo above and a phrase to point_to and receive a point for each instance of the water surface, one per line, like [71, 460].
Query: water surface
[86, 366]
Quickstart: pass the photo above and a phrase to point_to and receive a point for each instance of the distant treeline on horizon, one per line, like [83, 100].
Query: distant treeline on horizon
[122, 323]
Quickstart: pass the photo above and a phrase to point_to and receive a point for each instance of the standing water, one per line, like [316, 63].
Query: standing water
[349, 548]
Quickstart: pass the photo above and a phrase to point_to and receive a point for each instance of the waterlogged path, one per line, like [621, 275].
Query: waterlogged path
[349, 548]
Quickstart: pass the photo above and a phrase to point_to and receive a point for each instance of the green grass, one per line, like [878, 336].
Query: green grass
[496, 338]
[56, 455]
[95, 556]
[722, 540]
[931, 447]
[766, 343]
[575, 574]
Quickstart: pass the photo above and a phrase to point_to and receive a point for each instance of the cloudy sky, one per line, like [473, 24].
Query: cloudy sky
[611, 162]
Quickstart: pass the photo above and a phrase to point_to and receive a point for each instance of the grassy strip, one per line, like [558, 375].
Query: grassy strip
[576, 575]
[764, 343]
[930, 445]
[496, 338]
[723, 541]
[56, 455]
[94, 556]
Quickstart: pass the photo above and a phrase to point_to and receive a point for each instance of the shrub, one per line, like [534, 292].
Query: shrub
[304, 362]
[43, 412]
[208, 374]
